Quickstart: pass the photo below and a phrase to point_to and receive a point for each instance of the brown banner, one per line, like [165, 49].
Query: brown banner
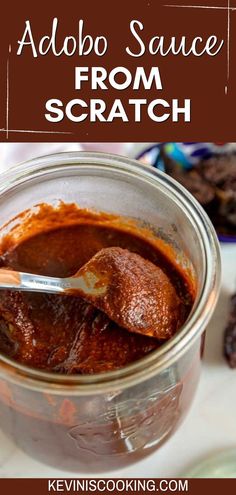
[116, 486]
[196, 48]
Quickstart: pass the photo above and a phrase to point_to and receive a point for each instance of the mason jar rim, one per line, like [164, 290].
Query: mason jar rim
[157, 360]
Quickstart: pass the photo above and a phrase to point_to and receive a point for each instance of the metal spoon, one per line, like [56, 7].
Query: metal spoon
[132, 291]
[86, 284]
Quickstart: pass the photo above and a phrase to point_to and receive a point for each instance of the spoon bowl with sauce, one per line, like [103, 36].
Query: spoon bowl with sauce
[132, 291]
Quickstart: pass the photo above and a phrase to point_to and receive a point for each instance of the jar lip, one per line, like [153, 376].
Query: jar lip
[169, 352]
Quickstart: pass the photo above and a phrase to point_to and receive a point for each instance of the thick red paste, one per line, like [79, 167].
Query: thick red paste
[65, 334]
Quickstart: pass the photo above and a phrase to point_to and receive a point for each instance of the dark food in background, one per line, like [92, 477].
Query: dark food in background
[213, 183]
[230, 335]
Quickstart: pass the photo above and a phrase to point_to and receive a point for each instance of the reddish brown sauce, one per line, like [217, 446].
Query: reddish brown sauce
[65, 334]
[133, 292]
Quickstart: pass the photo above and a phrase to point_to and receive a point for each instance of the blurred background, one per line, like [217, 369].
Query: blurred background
[207, 170]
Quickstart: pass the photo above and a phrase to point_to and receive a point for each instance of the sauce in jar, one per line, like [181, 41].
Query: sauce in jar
[66, 335]
[62, 333]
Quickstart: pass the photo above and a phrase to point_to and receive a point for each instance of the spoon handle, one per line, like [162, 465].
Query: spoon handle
[13, 280]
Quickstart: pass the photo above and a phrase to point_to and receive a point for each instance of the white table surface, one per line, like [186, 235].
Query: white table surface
[210, 426]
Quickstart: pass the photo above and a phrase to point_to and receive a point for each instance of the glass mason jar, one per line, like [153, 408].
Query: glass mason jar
[109, 420]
